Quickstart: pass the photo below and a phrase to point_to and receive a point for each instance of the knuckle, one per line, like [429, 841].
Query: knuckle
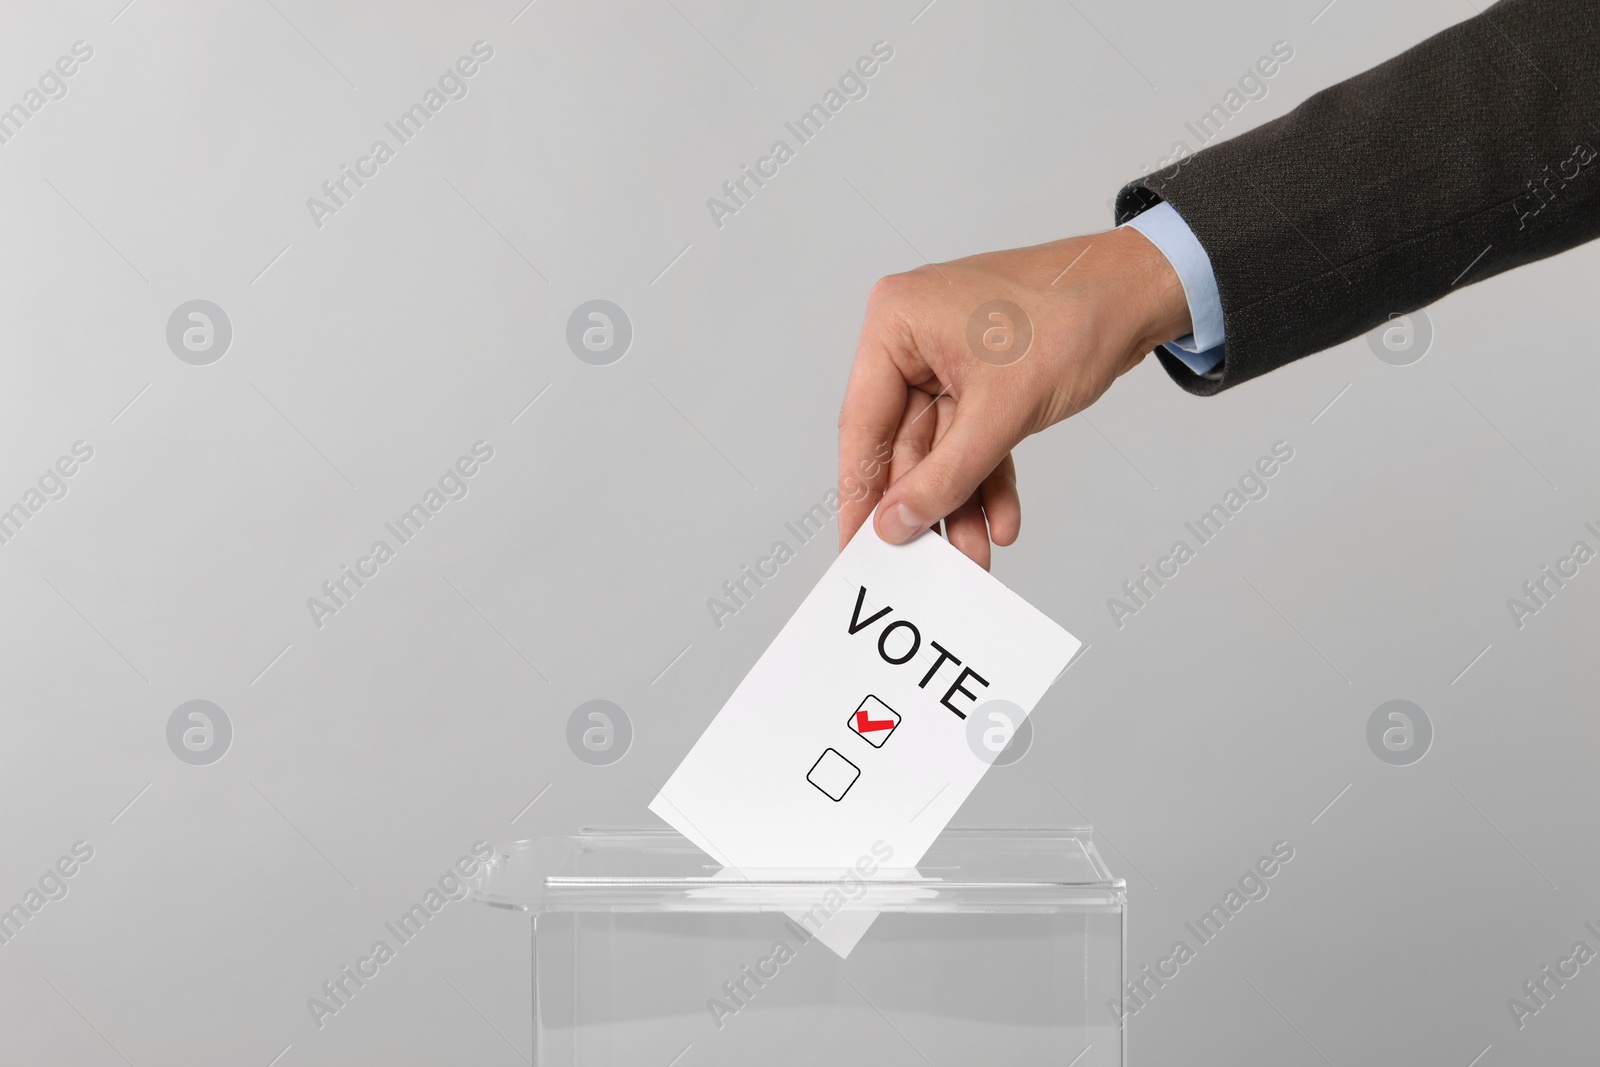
[892, 288]
[942, 486]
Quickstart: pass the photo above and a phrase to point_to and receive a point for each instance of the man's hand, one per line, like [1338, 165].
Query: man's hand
[949, 377]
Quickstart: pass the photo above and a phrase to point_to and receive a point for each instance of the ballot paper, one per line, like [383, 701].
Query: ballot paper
[864, 726]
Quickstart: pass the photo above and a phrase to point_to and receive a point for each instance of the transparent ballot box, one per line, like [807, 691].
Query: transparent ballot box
[1001, 947]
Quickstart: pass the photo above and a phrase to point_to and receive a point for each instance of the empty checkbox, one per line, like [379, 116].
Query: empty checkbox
[833, 774]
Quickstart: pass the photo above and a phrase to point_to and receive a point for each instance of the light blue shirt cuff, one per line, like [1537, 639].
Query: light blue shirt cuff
[1201, 351]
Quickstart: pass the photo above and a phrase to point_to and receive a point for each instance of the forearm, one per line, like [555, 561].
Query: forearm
[1470, 154]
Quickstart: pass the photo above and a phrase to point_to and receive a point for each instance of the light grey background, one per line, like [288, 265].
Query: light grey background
[369, 354]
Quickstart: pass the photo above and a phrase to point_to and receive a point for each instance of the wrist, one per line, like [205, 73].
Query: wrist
[1159, 306]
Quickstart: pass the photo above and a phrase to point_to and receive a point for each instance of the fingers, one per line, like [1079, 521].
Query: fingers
[918, 430]
[967, 530]
[1001, 503]
[925, 420]
[979, 437]
[966, 527]
[874, 403]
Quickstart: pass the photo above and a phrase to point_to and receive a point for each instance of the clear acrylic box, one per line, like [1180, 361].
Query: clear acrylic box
[1002, 947]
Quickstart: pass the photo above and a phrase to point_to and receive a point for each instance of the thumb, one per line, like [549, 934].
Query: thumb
[978, 438]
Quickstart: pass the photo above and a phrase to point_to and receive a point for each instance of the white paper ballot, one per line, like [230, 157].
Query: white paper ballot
[858, 734]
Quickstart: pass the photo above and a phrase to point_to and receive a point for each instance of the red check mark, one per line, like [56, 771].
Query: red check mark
[865, 725]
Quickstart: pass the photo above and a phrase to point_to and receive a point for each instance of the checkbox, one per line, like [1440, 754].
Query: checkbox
[833, 774]
[874, 721]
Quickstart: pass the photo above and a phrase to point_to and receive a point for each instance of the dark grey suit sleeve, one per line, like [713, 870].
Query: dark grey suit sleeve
[1472, 153]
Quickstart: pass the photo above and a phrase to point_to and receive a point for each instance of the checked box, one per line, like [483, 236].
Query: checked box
[833, 774]
[874, 721]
